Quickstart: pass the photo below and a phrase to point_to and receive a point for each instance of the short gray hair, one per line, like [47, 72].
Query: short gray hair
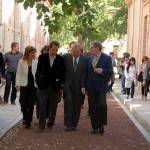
[97, 44]
[77, 46]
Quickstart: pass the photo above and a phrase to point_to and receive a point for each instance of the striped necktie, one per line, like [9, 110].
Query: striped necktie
[95, 61]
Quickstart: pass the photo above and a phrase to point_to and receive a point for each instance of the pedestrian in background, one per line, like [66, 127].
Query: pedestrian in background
[130, 75]
[73, 99]
[95, 82]
[144, 89]
[11, 60]
[49, 78]
[124, 61]
[146, 75]
[112, 77]
[25, 83]
[44, 50]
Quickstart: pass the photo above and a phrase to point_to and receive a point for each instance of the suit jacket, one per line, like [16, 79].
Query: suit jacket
[22, 72]
[73, 79]
[47, 75]
[93, 81]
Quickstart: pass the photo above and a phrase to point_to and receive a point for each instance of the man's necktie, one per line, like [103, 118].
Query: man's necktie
[95, 61]
[75, 64]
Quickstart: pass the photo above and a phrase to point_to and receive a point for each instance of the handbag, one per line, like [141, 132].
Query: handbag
[128, 83]
[140, 77]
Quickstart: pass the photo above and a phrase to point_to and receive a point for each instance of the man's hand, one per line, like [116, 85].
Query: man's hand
[98, 70]
[83, 90]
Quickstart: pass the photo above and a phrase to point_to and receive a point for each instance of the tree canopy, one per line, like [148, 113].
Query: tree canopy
[85, 19]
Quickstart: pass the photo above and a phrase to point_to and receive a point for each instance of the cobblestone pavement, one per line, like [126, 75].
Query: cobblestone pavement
[120, 134]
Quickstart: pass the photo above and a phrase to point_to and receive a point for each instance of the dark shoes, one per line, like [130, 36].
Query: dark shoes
[100, 130]
[28, 125]
[68, 128]
[13, 103]
[40, 129]
[94, 131]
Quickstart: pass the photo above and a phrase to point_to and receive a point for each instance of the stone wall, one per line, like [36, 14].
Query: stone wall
[19, 25]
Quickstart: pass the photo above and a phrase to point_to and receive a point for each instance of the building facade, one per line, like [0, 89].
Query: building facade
[138, 39]
[19, 25]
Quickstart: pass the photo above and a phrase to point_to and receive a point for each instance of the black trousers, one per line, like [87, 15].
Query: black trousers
[10, 83]
[132, 90]
[51, 97]
[98, 109]
[72, 108]
[27, 100]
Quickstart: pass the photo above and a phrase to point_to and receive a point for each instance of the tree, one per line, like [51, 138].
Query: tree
[86, 19]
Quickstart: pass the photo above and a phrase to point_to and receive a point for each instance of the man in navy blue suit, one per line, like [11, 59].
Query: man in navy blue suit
[95, 84]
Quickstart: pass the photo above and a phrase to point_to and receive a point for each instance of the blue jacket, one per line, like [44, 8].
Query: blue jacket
[93, 81]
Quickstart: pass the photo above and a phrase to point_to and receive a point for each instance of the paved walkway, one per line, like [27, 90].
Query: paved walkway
[10, 115]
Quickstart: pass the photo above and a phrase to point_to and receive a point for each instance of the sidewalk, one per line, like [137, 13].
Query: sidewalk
[10, 115]
[139, 108]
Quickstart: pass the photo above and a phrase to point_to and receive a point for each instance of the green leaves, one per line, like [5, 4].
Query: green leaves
[90, 19]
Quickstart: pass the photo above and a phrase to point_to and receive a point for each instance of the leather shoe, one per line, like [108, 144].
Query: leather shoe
[101, 130]
[68, 129]
[94, 131]
[28, 125]
[73, 128]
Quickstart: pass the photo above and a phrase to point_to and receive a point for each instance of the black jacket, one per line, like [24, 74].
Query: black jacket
[47, 75]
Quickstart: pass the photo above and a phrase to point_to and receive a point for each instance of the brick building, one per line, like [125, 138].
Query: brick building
[138, 39]
[19, 25]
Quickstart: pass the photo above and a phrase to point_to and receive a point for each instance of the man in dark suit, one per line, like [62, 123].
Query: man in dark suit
[73, 98]
[95, 83]
[49, 78]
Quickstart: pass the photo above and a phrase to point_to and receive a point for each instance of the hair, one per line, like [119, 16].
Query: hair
[54, 43]
[13, 44]
[126, 55]
[46, 47]
[78, 46]
[145, 58]
[111, 53]
[73, 42]
[97, 44]
[129, 63]
[28, 49]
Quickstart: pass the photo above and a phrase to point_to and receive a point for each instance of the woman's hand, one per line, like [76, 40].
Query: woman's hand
[18, 88]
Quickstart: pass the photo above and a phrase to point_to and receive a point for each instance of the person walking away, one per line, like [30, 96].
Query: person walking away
[25, 84]
[73, 99]
[112, 77]
[130, 75]
[95, 83]
[11, 60]
[44, 50]
[49, 78]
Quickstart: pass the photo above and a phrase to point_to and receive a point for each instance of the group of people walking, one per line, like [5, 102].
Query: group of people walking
[71, 76]
[130, 75]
